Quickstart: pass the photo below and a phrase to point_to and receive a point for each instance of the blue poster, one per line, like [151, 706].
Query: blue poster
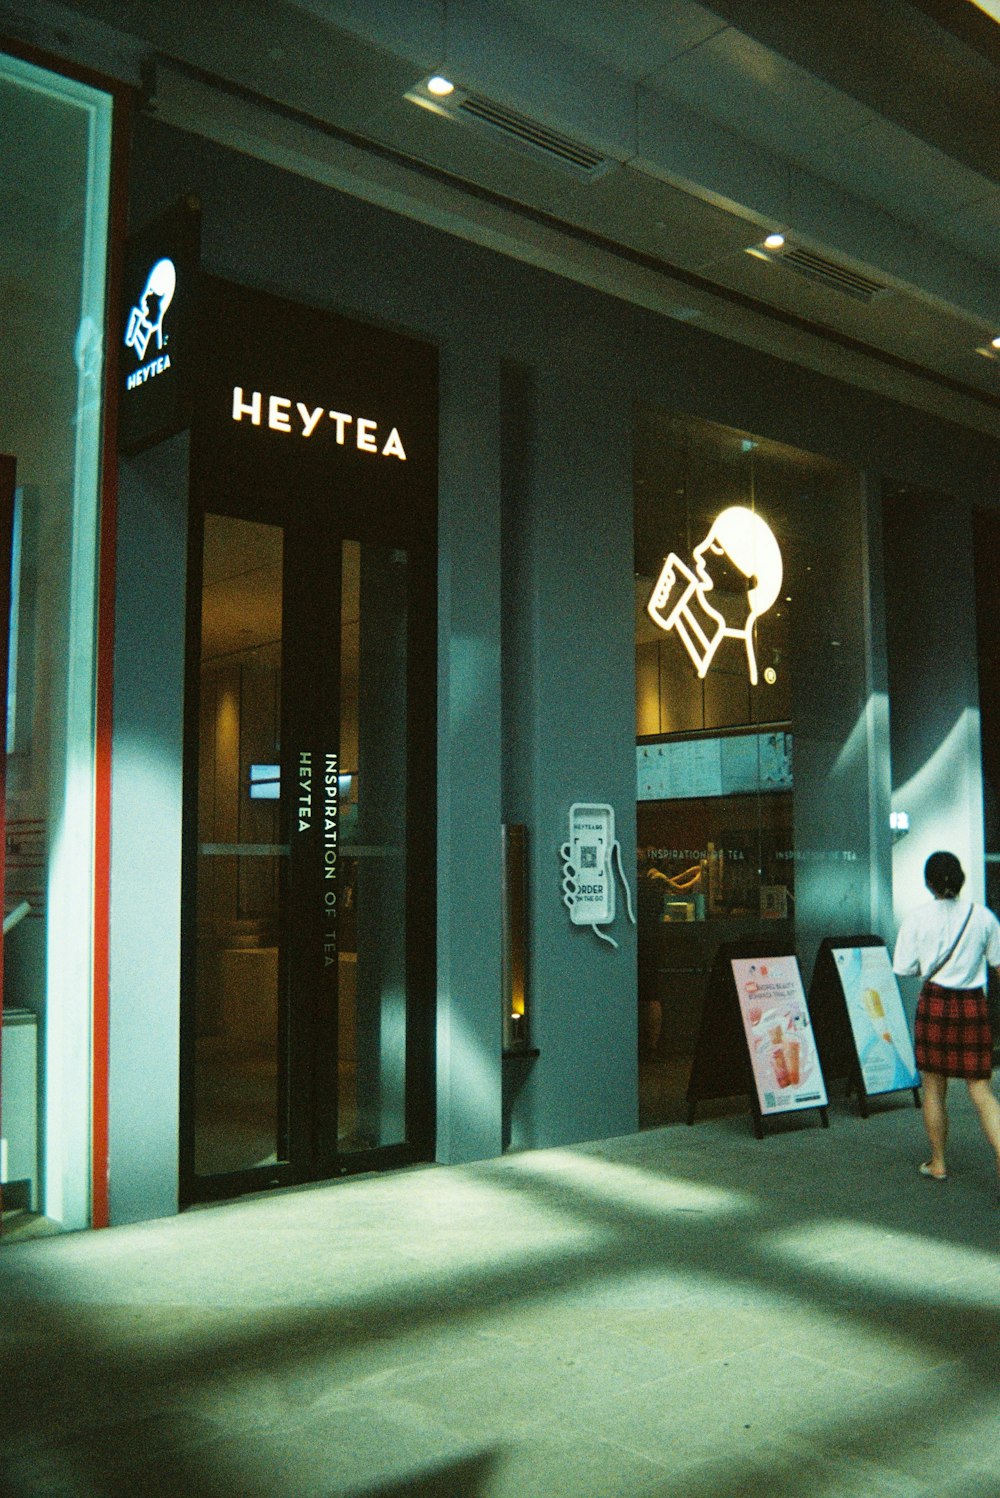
[878, 1022]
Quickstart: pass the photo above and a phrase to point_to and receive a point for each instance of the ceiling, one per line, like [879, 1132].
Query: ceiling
[869, 134]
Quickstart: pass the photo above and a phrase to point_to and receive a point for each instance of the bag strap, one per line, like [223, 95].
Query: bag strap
[943, 962]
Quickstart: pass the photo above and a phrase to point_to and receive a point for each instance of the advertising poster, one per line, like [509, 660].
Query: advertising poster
[779, 1036]
[878, 1023]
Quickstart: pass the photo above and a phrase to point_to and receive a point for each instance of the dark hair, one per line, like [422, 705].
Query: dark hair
[943, 875]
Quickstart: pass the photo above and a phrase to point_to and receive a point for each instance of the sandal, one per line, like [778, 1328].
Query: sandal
[932, 1175]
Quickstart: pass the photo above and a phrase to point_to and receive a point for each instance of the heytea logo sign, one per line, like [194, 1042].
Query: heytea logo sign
[160, 291]
[295, 418]
[682, 599]
[145, 323]
[304, 408]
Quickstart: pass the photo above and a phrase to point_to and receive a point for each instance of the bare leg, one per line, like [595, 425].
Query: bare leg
[936, 1119]
[988, 1108]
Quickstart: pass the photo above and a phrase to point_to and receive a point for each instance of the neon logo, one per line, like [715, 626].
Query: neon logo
[747, 543]
[145, 321]
[350, 431]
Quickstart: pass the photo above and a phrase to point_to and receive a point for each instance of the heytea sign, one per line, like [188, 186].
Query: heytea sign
[297, 404]
[298, 417]
[156, 353]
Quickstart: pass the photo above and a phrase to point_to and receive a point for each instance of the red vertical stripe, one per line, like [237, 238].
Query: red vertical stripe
[7, 479]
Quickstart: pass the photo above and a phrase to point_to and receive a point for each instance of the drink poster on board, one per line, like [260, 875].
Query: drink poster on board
[878, 1022]
[783, 1055]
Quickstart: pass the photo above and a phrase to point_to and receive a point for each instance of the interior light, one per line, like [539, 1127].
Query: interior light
[774, 242]
[440, 87]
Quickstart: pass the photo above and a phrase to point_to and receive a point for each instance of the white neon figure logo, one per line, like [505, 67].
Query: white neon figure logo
[749, 543]
[146, 318]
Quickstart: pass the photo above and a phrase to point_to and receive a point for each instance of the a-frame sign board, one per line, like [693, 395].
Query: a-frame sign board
[754, 1038]
[858, 1019]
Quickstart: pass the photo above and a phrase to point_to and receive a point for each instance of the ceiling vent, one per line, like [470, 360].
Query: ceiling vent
[556, 149]
[829, 273]
[517, 130]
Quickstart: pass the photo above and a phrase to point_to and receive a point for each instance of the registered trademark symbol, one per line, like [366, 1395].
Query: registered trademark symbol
[770, 675]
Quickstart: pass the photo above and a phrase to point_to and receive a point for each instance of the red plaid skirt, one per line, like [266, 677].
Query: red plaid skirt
[951, 1032]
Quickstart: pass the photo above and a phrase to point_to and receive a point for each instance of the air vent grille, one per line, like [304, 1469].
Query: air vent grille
[818, 268]
[553, 146]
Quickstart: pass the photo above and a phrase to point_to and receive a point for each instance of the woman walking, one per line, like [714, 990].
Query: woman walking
[949, 943]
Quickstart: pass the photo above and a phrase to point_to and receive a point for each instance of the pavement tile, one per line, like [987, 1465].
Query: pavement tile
[737, 1404]
[781, 1470]
[931, 1427]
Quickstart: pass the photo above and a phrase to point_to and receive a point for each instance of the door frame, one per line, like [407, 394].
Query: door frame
[310, 1156]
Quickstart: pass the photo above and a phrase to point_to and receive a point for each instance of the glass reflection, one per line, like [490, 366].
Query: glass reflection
[240, 878]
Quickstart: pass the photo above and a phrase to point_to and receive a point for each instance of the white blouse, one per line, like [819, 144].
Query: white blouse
[928, 932]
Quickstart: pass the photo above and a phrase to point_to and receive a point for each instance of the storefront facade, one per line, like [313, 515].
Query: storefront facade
[399, 554]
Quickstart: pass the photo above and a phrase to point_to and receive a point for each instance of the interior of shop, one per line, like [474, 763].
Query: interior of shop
[740, 593]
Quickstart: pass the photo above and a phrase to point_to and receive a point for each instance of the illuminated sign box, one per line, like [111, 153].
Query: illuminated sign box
[293, 399]
[157, 343]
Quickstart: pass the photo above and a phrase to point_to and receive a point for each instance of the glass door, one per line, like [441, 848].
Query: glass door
[241, 876]
[305, 1049]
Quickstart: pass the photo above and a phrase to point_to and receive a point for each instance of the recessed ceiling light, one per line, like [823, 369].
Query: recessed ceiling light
[440, 86]
[774, 242]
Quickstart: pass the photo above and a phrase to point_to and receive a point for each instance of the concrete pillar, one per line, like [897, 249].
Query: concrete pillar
[934, 690]
[570, 691]
[842, 843]
[469, 758]
[146, 833]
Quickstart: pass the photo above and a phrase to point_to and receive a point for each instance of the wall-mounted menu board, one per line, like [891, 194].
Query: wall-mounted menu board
[878, 1022]
[780, 1041]
[725, 765]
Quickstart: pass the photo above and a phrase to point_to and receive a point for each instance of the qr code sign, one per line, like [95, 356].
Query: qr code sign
[588, 857]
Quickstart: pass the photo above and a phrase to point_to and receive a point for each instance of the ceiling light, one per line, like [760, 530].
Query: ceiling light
[774, 242]
[440, 86]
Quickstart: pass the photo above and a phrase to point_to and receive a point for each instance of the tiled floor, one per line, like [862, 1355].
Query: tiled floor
[685, 1312]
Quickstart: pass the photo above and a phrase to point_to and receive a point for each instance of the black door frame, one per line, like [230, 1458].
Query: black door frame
[308, 419]
[308, 1005]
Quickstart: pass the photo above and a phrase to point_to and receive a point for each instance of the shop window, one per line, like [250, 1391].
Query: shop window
[54, 180]
[752, 773]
